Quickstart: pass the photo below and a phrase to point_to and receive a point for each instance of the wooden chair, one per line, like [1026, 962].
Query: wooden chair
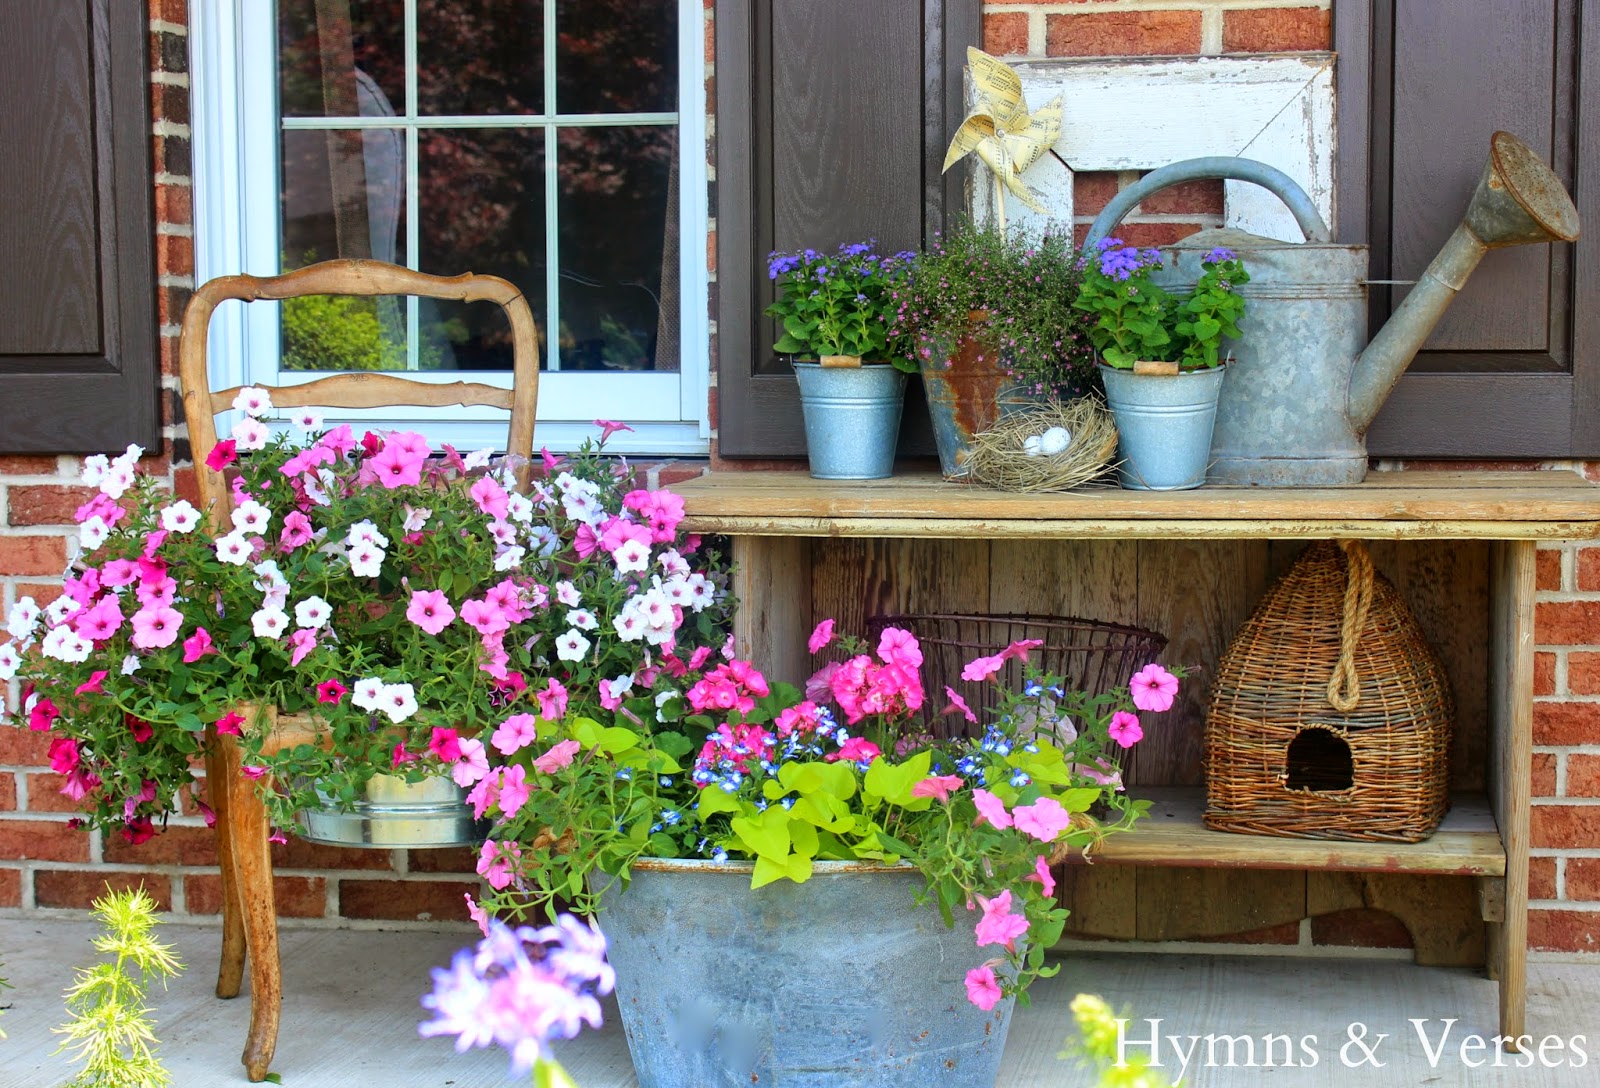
[249, 915]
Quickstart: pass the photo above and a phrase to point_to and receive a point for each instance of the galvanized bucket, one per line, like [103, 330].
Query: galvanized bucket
[852, 418]
[1164, 424]
[968, 388]
[391, 813]
[840, 982]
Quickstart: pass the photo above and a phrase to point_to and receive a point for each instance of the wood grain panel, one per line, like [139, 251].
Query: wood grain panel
[1090, 579]
[51, 301]
[1235, 902]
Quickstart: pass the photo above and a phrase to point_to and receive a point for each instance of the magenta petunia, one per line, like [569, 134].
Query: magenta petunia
[1153, 688]
[1125, 729]
[821, 635]
[983, 990]
[331, 691]
[197, 646]
[230, 722]
[998, 925]
[957, 703]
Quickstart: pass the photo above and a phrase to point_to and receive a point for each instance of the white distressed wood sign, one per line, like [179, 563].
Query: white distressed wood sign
[1139, 113]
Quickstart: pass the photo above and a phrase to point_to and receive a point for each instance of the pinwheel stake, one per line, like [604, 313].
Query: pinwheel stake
[1003, 133]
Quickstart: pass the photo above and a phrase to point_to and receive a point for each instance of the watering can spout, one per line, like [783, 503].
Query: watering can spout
[1519, 200]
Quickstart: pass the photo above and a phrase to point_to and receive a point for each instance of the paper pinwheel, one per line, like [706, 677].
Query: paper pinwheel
[1002, 132]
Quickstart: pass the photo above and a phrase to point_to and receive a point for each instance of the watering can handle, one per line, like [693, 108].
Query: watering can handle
[1270, 178]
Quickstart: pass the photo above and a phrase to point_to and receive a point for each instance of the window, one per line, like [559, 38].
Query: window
[539, 140]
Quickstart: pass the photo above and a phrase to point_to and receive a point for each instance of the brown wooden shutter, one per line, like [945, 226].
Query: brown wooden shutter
[78, 336]
[1513, 370]
[832, 121]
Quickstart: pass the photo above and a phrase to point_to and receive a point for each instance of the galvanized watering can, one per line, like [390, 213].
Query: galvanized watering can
[1302, 390]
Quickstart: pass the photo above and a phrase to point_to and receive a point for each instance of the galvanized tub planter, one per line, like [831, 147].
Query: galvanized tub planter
[969, 386]
[391, 813]
[852, 414]
[1164, 425]
[840, 982]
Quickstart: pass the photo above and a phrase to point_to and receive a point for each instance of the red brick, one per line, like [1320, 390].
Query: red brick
[1583, 673]
[46, 505]
[42, 840]
[299, 854]
[1156, 234]
[1190, 198]
[678, 472]
[27, 465]
[1583, 879]
[463, 860]
[22, 747]
[185, 845]
[1566, 623]
[1547, 569]
[1544, 674]
[32, 554]
[8, 792]
[1544, 774]
[1276, 30]
[10, 887]
[79, 888]
[1092, 190]
[1122, 33]
[174, 255]
[44, 794]
[170, 11]
[1564, 930]
[1566, 723]
[1360, 928]
[175, 204]
[1006, 34]
[1564, 827]
[1588, 568]
[1541, 878]
[293, 896]
[399, 900]
[1583, 775]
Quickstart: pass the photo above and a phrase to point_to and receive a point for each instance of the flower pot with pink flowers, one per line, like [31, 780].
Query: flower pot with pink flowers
[806, 881]
[384, 606]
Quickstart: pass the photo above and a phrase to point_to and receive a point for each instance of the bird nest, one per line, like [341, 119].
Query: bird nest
[1019, 452]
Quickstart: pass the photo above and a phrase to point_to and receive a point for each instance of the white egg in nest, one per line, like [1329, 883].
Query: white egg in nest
[1054, 441]
[1033, 445]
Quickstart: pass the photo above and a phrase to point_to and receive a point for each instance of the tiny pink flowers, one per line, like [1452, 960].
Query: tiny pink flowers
[1125, 729]
[983, 990]
[1153, 688]
[430, 610]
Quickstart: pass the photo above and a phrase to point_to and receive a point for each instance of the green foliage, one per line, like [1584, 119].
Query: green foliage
[111, 1031]
[1096, 1046]
[838, 304]
[1136, 319]
[337, 332]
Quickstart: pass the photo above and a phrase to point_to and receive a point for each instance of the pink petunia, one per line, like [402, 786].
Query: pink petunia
[302, 643]
[585, 541]
[900, 648]
[430, 610]
[230, 722]
[1125, 729]
[998, 925]
[609, 427]
[63, 755]
[981, 668]
[446, 744]
[1045, 819]
[559, 756]
[79, 782]
[331, 691]
[399, 757]
[1019, 649]
[490, 497]
[477, 914]
[397, 466]
[222, 455]
[43, 715]
[253, 773]
[938, 786]
[496, 861]
[197, 646]
[514, 790]
[156, 627]
[958, 703]
[982, 988]
[1153, 688]
[484, 617]
[1043, 876]
[821, 635]
[991, 809]
[553, 701]
[473, 763]
[515, 734]
[92, 685]
[296, 531]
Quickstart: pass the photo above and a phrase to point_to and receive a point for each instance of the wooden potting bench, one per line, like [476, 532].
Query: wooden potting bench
[776, 519]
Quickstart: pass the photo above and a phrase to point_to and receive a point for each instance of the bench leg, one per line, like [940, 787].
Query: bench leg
[230, 974]
[250, 863]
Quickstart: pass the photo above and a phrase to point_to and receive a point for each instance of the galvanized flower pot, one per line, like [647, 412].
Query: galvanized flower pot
[840, 982]
[1164, 424]
[392, 813]
[968, 388]
[852, 418]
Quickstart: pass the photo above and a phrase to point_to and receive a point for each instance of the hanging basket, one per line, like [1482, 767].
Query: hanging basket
[1331, 715]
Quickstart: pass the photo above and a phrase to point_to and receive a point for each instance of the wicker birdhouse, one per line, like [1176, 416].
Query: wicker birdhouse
[1331, 715]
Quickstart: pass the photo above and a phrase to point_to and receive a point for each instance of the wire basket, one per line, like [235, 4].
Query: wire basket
[1089, 655]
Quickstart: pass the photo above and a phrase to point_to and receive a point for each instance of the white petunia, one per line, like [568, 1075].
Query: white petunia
[313, 612]
[250, 434]
[268, 574]
[366, 560]
[60, 608]
[509, 559]
[677, 592]
[502, 532]
[368, 694]
[365, 532]
[24, 616]
[519, 507]
[477, 459]
[567, 594]
[630, 623]
[253, 400]
[582, 506]
[65, 644]
[398, 701]
[180, 517]
[673, 564]
[130, 456]
[118, 479]
[307, 419]
[234, 549]
[632, 557]
[92, 533]
[571, 646]
[545, 540]
[130, 664]
[704, 593]
[251, 517]
[582, 619]
[10, 661]
[269, 622]
[315, 490]
[94, 469]
[416, 518]
[664, 695]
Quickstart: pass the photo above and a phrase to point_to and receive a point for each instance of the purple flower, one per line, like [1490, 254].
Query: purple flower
[1218, 255]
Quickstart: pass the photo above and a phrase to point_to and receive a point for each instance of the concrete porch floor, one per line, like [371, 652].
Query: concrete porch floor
[351, 1010]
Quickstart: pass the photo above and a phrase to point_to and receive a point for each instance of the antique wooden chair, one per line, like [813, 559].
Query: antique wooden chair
[249, 915]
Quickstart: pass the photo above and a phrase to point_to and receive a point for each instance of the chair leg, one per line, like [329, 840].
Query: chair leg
[252, 881]
[231, 972]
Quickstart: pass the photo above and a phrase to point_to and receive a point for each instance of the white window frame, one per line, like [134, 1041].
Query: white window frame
[235, 134]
